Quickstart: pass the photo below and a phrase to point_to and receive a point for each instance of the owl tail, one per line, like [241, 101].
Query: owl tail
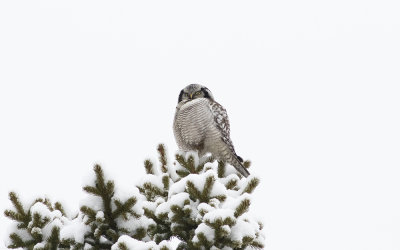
[237, 162]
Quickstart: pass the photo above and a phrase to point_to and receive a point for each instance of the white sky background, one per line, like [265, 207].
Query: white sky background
[311, 89]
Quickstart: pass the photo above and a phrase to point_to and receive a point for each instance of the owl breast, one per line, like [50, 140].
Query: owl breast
[192, 123]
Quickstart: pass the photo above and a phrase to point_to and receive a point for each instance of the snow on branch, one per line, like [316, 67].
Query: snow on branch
[200, 201]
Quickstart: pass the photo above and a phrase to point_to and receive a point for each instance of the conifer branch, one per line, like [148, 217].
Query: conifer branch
[182, 173]
[162, 229]
[231, 184]
[140, 233]
[165, 181]
[208, 186]
[162, 158]
[182, 246]
[200, 167]
[45, 202]
[180, 159]
[260, 226]
[187, 164]
[106, 191]
[124, 208]
[16, 241]
[256, 244]
[242, 208]
[221, 169]
[190, 164]
[58, 206]
[36, 234]
[90, 213]
[92, 190]
[148, 165]
[111, 235]
[247, 164]
[20, 215]
[220, 197]
[203, 242]
[151, 191]
[12, 215]
[122, 246]
[193, 191]
[17, 204]
[54, 238]
[251, 185]
[38, 221]
[247, 240]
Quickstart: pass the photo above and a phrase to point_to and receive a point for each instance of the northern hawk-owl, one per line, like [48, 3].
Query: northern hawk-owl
[202, 124]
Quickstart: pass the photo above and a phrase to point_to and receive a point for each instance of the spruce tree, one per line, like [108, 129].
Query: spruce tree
[202, 202]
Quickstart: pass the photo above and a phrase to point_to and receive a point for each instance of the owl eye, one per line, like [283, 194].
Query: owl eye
[185, 94]
[198, 93]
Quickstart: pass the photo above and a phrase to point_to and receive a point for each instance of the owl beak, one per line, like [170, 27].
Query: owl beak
[191, 96]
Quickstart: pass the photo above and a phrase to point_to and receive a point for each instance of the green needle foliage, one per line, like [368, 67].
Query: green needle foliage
[200, 201]
[103, 223]
[31, 223]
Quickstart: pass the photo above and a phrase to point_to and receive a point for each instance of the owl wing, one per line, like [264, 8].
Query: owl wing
[191, 123]
[222, 121]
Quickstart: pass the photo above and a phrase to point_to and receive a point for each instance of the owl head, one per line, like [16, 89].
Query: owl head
[193, 91]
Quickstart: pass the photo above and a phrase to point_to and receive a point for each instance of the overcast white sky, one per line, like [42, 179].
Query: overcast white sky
[311, 87]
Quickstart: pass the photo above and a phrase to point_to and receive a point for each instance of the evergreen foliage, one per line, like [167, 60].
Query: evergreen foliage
[37, 227]
[201, 202]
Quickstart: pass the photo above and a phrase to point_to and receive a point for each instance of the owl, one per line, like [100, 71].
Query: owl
[201, 124]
